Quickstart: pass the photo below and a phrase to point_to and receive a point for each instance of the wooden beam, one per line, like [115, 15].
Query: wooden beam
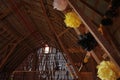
[95, 57]
[17, 62]
[57, 38]
[86, 75]
[8, 54]
[63, 32]
[114, 57]
[76, 50]
[77, 31]
[9, 48]
[33, 71]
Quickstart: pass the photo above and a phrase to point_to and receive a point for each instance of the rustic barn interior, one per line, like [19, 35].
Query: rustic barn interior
[36, 44]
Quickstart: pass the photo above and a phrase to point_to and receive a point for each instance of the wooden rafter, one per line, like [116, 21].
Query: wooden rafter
[9, 53]
[63, 32]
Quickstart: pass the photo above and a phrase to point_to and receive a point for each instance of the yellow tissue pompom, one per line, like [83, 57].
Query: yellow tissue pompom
[107, 71]
[100, 29]
[72, 20]
[85, 60]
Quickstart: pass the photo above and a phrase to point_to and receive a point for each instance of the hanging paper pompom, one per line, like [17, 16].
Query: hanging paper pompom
[87, 56]
[72, 20]
[60, 4]
[107, 71]
[100, 29]
[87, 41]
[106, 21]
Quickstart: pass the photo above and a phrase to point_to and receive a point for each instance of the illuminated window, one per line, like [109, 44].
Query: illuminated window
[46, 50]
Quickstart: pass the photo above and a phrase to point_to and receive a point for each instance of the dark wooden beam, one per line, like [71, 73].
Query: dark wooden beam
[13, 46]
[76, 50]
[63, 32]
[21, 52]
[17, 63]
[86, 75]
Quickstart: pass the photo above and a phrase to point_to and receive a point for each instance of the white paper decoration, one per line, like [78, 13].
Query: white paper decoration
[60, 4]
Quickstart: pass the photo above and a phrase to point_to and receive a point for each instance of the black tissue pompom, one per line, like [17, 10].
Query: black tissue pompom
[111, 13]
[115, 4]
[106, 21]
[87, 41]
[83, 41]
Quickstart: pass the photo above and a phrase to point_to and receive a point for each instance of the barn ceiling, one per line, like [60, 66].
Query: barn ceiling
[27, 25]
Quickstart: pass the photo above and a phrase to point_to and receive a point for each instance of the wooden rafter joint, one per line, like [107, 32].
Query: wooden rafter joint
[105, 56]
[63, 32]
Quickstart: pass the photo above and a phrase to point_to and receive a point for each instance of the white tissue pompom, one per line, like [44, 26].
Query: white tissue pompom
[60, 4]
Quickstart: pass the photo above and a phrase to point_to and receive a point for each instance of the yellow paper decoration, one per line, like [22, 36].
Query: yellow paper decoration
[85, 60]
[100, 29]
[107, 71]
[86, 57]
[72, 20]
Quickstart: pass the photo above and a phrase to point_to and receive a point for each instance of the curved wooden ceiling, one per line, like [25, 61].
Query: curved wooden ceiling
[26, 25]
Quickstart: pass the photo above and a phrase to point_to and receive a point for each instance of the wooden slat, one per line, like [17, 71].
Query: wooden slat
[9, 53]
[63, 32]
[76, 50]
[95, 57]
